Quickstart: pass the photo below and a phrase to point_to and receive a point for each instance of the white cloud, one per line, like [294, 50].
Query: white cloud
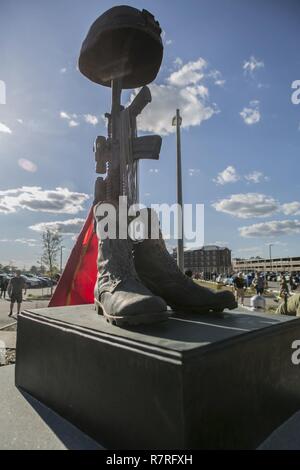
[154, 170]
[169, 42]
[190, 73]
[247, 205]
[27, 165]
[229, 175]
[217, 77]
[157, 116]
[178, 62]
[256, 177]
[250, 249]
[291, 208]
[23, 241]
[5, 129]
[194, 171]
[73, 119]
[64, 115]
[273, 228]
[91, 119]
[34, 198]
[20, 121]
[73, 123]
[251, 65]
[63, 70]
[263, 85]
[251, 115]
[67, 227]
[70, 118]
[182, 89]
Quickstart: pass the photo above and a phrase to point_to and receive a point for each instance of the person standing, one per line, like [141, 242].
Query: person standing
[259, 284]
[239, 287]
[4, 284]
[284, 291]
[15, 290]
[292, 282]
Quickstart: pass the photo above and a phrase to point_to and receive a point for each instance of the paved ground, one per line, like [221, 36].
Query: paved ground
[4, 305]
[8, 339]
[26, 424]
[285, 437]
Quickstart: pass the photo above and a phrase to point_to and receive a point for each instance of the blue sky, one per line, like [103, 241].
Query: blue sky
[229, 66]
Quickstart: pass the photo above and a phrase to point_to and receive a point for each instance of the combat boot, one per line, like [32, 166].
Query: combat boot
[159, 272]
[119, 293]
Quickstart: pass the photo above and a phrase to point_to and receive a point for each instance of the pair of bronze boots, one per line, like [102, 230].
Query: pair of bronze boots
[137, 281]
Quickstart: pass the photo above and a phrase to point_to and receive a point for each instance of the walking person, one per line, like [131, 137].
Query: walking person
[4, 285]
[15, 290]
[239, 287]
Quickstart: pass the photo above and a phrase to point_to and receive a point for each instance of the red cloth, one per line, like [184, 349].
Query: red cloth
[77, 282]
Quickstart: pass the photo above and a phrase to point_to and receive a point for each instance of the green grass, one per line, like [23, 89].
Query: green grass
[38, 297]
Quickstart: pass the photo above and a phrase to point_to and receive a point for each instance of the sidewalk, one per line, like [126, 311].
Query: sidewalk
[27, 424]
[4, 309]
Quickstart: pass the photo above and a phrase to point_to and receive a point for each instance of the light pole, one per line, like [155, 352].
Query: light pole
[177, 121]
[61, 258]
[270, 256]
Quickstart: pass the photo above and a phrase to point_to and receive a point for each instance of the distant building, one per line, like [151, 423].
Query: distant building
[208, 259]
[289, 264]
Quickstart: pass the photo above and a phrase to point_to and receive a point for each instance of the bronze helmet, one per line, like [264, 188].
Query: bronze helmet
[123, 43]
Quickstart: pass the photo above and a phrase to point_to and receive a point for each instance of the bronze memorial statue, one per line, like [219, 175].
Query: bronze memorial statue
[136, 280]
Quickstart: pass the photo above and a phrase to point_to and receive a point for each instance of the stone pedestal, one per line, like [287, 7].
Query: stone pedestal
[221, 381]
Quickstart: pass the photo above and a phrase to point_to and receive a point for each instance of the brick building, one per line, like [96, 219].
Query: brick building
[208, 259]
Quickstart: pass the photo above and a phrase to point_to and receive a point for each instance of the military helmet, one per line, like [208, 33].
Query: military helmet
[123, 43]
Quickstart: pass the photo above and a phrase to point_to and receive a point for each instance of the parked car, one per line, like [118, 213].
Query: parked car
[31, 281]
[5, 276]
[45, 281]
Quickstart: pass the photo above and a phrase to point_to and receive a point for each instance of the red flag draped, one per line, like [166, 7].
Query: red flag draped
[77, 282]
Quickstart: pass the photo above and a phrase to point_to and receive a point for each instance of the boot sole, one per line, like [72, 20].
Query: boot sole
[142, 319]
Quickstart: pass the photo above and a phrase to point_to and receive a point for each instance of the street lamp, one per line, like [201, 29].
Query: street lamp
[270, 256]
[177, 121]
[61, 258]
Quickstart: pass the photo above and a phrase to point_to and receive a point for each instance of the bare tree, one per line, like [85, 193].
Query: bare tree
[34, 270]
[51, 245]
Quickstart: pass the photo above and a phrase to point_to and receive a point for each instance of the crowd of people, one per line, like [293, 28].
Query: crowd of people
[241, 282]
[258, 281]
